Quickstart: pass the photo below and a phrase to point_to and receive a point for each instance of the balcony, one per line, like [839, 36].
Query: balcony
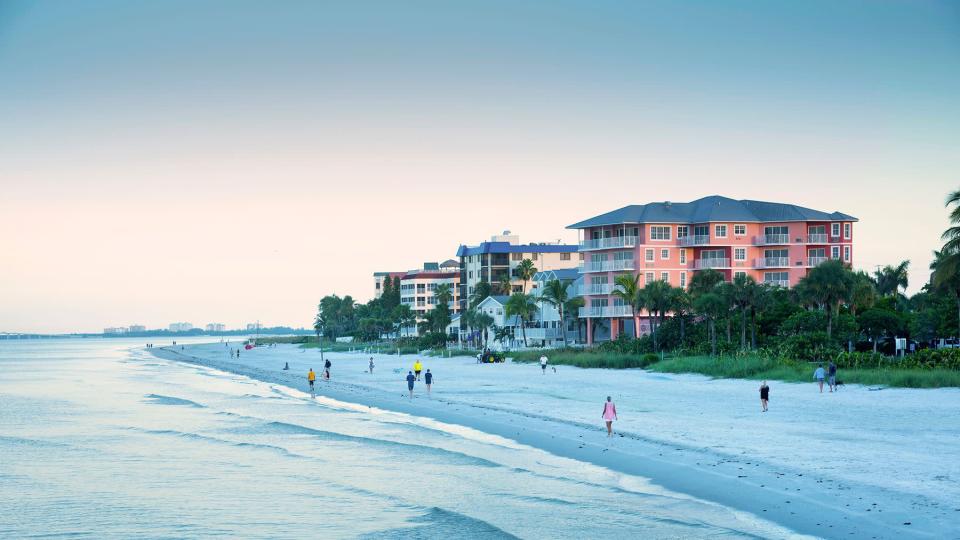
[816, 261]
[777, 283]
[608, 266]
[771, 240]
[608, 311]
[609, 243]
[701, 264]
[772, 262]
[604, 289]
[816, 238]
[695, 240]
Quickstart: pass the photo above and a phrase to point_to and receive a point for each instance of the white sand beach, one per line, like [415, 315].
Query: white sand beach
[861, 463]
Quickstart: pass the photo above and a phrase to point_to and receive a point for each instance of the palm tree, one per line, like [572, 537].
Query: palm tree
[761, 299]
[828, 285]
[711, 307]
[951, 236]
[555, 294]
[480, 293]
[742, 293]
[656, 298]
[525, 270]
[863, 294]
[627, 287]
[680, 305]
[443, 293]
[524, 307]
[483, 321]
[890, 279]
[946, 276]
[506, 288]
[704, 281]
[572, 308]
[468, 320]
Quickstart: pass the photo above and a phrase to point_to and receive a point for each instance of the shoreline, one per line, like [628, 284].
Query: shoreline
[788, 498]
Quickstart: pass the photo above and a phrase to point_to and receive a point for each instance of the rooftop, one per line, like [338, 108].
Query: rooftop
[712, 208]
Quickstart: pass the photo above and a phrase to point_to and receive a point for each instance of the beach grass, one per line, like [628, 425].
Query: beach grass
[747, 366]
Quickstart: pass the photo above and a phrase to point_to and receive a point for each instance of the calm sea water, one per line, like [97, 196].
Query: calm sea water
[100, 440]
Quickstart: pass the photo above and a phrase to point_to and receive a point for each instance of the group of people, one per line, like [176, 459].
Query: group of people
[312, 377]
[413, 376]
[819, 375]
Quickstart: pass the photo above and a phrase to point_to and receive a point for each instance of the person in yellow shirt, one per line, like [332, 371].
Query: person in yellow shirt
[417, 367]
[311, 376]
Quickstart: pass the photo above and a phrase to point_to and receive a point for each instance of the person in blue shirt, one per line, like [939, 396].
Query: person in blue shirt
[819, 375]
[410, 379]
[428, 378]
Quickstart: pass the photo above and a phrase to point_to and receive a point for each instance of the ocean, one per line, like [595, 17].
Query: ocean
[100, 439]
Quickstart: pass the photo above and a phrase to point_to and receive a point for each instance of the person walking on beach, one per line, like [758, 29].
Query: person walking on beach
[326, 369]
[311, 376]
[410, 379]
[417, 367]
[371, 365]
[609, 415]
[428, 378]
[832, 372]
[819, 375]
[764, 396]
[543, 364]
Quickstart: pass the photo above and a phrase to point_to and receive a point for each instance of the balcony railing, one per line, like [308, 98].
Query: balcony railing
[816, 261]
[540, 333]
[772, 262]
[608, 311]
[711, 263]
[694, 240]
[609, 243]
[777, 283]
[816, 238]
[602, 289]
[608, 266]
[771, 239]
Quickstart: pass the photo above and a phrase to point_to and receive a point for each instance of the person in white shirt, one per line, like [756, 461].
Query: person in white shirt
[543, 364]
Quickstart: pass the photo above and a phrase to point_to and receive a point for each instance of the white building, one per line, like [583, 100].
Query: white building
[418, 289]
[180, 327]
[492, 261]
[137, 328]
[216, 327]
[115, 330]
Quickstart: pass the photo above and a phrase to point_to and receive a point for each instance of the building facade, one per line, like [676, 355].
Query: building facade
[180, 327]
[216, 327]
[773, 243]
[418, 288]
[380, 277]
[492, 261]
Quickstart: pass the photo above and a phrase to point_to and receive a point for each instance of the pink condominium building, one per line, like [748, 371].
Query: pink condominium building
[774, 243]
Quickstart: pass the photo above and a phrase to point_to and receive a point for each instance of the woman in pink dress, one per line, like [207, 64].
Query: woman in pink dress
[609, 415]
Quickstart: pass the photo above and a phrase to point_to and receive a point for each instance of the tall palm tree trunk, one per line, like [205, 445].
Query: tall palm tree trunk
[713, 337]
[563, 326]
[743, 328]
[753, 328]
[523, 330]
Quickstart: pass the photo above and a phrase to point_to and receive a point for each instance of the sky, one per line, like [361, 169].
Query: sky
[233, 161]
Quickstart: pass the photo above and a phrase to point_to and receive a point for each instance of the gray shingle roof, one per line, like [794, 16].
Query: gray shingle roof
[712, 208]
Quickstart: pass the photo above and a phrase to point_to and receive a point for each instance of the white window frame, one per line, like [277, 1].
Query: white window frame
[847, 231]
[662, 228]
[739, 250]
[648, 277]
[739, 273]
[735, 233]
[834, 227]
[648, 255]
[835, 252]
[685, 229]
[683, 279]
[846, 253]
[664, 254]
[683, 256]
[665, 277]
[716, 231]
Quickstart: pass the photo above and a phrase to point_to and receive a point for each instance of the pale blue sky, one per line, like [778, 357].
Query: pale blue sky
[147, 147]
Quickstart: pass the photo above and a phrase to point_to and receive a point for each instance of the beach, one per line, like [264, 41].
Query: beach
[861, 463]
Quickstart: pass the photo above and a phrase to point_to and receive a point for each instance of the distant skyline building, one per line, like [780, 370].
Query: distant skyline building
[253, 327]
[774, 243]
[180, 327]
[115, 330]
[216, 327]
[136, 328]
[492, 261]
